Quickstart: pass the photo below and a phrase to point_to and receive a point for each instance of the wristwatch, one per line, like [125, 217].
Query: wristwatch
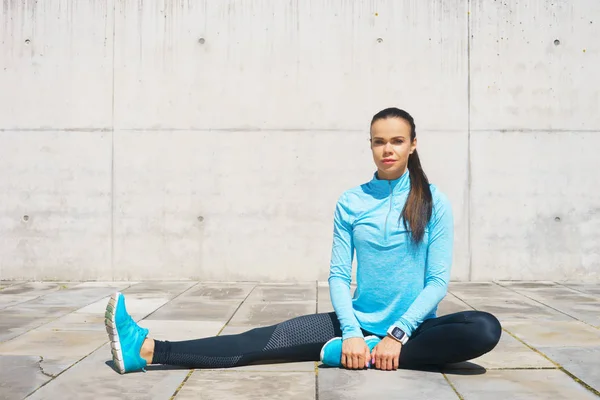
[398, 334]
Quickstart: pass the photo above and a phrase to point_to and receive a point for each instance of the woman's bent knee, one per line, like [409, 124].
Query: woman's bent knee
[488, 328]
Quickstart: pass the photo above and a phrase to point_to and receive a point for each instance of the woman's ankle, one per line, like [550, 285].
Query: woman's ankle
[147, 350]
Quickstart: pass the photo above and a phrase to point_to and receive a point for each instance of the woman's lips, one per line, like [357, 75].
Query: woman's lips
[389, 161]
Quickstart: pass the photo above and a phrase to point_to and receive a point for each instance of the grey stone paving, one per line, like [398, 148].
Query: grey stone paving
[53, 343]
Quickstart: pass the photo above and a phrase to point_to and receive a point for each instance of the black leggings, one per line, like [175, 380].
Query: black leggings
[438, 341]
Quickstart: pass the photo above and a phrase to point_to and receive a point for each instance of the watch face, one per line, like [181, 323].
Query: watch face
[398, 333]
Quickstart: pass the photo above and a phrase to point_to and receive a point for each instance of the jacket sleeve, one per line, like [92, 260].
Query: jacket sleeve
[439, 263]
[340, 273]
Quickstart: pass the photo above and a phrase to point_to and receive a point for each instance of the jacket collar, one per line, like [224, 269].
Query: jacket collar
[385, 186]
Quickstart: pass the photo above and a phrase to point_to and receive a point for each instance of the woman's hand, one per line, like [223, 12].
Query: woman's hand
[386, 355]
[355, 353]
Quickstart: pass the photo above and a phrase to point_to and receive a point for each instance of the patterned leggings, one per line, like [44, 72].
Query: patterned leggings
[448, 339]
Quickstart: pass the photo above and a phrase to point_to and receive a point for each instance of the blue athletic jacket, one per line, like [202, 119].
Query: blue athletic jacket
[398, 283]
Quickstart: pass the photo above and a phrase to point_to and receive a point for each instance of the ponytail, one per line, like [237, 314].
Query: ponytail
[419, 205]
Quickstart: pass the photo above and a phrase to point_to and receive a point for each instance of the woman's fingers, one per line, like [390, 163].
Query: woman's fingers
[355, 353]
[374, 357]
[360, 362]
[386, 355]
[390, 363]
[385, 362]
[352, 361]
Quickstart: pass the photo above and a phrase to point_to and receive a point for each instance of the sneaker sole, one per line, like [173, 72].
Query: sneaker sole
[113, 335]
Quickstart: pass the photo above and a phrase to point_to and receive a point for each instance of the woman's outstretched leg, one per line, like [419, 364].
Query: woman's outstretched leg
[450, 339]
[298, 339]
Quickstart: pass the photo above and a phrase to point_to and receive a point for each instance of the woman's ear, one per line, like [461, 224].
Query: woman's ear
[413, 146]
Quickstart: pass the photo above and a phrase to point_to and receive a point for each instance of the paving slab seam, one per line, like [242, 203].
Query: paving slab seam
[235, 370]
[65, 370]
[316, 362]
[518, 368]
[171, 299]
[453, 387]
[450, 369]
[458, 298]
[10, 283]
[577, 290]
[316, 379]
[85, 356]
[546, 305]
[237, 309]
[559, 367]
[57, 318]
[183, 382]
[218, 333]
[57, 289]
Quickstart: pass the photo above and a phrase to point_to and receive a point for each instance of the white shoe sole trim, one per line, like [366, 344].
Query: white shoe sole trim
[113, 334]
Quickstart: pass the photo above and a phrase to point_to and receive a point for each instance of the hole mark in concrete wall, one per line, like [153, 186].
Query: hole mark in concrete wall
[556, 42]
[27, 41]
[379, 40]
[201, 40]
[201, 218]
[25, 218]
[557, 219]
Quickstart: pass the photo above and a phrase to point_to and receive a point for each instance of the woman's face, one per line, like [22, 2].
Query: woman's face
[391, 146]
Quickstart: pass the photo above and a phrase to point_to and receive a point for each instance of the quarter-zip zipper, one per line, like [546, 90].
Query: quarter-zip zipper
[389, 211]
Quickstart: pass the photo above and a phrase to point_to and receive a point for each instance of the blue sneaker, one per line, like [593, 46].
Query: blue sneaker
[331, 353]
[126, 337]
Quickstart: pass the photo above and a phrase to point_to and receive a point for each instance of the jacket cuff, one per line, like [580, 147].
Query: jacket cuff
[402, 324]
[354, 333]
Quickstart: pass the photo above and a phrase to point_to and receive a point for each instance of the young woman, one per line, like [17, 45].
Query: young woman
[401, 228]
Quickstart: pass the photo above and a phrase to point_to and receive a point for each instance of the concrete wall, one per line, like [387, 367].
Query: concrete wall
[211, 139]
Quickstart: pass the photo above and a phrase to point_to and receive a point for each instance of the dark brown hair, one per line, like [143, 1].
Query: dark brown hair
[419, 205]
